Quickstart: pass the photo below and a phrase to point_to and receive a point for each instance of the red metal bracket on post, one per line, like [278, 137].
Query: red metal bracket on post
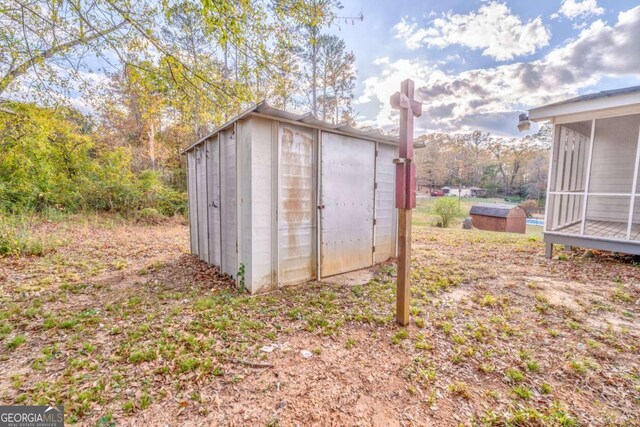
[405, 184]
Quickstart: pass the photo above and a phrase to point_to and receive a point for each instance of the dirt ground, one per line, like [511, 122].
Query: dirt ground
[122, 326]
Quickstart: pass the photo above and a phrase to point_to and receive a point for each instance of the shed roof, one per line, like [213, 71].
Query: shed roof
[308, 119]
[492, 209]
[589, 102]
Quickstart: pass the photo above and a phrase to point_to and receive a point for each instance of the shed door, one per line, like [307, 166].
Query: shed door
[347, 199]
[296, 206]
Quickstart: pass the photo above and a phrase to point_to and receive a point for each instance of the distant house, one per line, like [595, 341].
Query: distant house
[464, 191]
[478, 192]
[499, 217]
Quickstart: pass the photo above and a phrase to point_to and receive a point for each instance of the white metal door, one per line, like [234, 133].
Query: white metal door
[385, 225]
[347, 203]
[296, 206]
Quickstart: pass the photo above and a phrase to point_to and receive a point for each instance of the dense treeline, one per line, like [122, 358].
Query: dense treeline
[50, 160]
[502, 166]
[152, 77]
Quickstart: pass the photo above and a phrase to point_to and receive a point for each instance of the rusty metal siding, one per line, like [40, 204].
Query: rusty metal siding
[228, 203]
[296, 206]
[213, 199]
[193, 207]
[201, 202]
[347, 179]
[385, 213]
[261, 204]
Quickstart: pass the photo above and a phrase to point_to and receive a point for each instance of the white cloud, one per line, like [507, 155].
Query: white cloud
[573, 9]
[492, 28]
[378, 89]
[484, 98]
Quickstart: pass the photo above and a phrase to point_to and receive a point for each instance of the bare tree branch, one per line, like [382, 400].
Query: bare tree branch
[35, 59]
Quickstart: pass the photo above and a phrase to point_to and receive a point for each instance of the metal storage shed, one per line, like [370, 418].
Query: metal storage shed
[499, 217]
[277, 198]
[593, 193]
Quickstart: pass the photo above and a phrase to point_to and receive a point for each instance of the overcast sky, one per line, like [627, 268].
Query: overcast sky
[477, 64]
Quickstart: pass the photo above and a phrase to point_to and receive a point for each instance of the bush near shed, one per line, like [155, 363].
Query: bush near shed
[447, 209]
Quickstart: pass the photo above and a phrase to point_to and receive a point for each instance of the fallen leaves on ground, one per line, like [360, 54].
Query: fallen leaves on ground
[124, 327]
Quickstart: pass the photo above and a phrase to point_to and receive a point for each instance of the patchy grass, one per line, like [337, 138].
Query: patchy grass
[24, 236]
[122, 326]
[16, 342]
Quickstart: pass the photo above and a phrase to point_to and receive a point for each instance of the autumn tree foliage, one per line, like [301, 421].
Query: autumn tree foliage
[155, 77]
[505, 166]
[50, 160]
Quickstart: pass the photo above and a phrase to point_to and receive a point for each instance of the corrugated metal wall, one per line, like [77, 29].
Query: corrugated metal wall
[245, 194]
[262, 232]
[385, 214]
[296, 227]
[193, 199]
[213, 199]
[228, 203]
[201, 204]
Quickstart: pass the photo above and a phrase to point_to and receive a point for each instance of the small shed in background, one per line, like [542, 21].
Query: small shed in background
[499, 217]
[277, 198]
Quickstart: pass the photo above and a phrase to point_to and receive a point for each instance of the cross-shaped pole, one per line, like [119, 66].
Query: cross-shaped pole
[405, 193]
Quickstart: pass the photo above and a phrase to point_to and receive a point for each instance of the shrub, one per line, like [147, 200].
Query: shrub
[55, 165]
[529, 206]
[154, 193]
[447, 209]
[17, 238]
[149, 216]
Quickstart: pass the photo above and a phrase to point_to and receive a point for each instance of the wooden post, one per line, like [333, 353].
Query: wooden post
[404, 261]
[405, 194]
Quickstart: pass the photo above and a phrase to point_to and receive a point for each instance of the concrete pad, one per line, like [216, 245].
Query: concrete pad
[358, 277]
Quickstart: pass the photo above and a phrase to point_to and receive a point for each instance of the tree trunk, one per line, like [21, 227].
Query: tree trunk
[314, 71]
[337, 120]
[152, 145]
[324, 93]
